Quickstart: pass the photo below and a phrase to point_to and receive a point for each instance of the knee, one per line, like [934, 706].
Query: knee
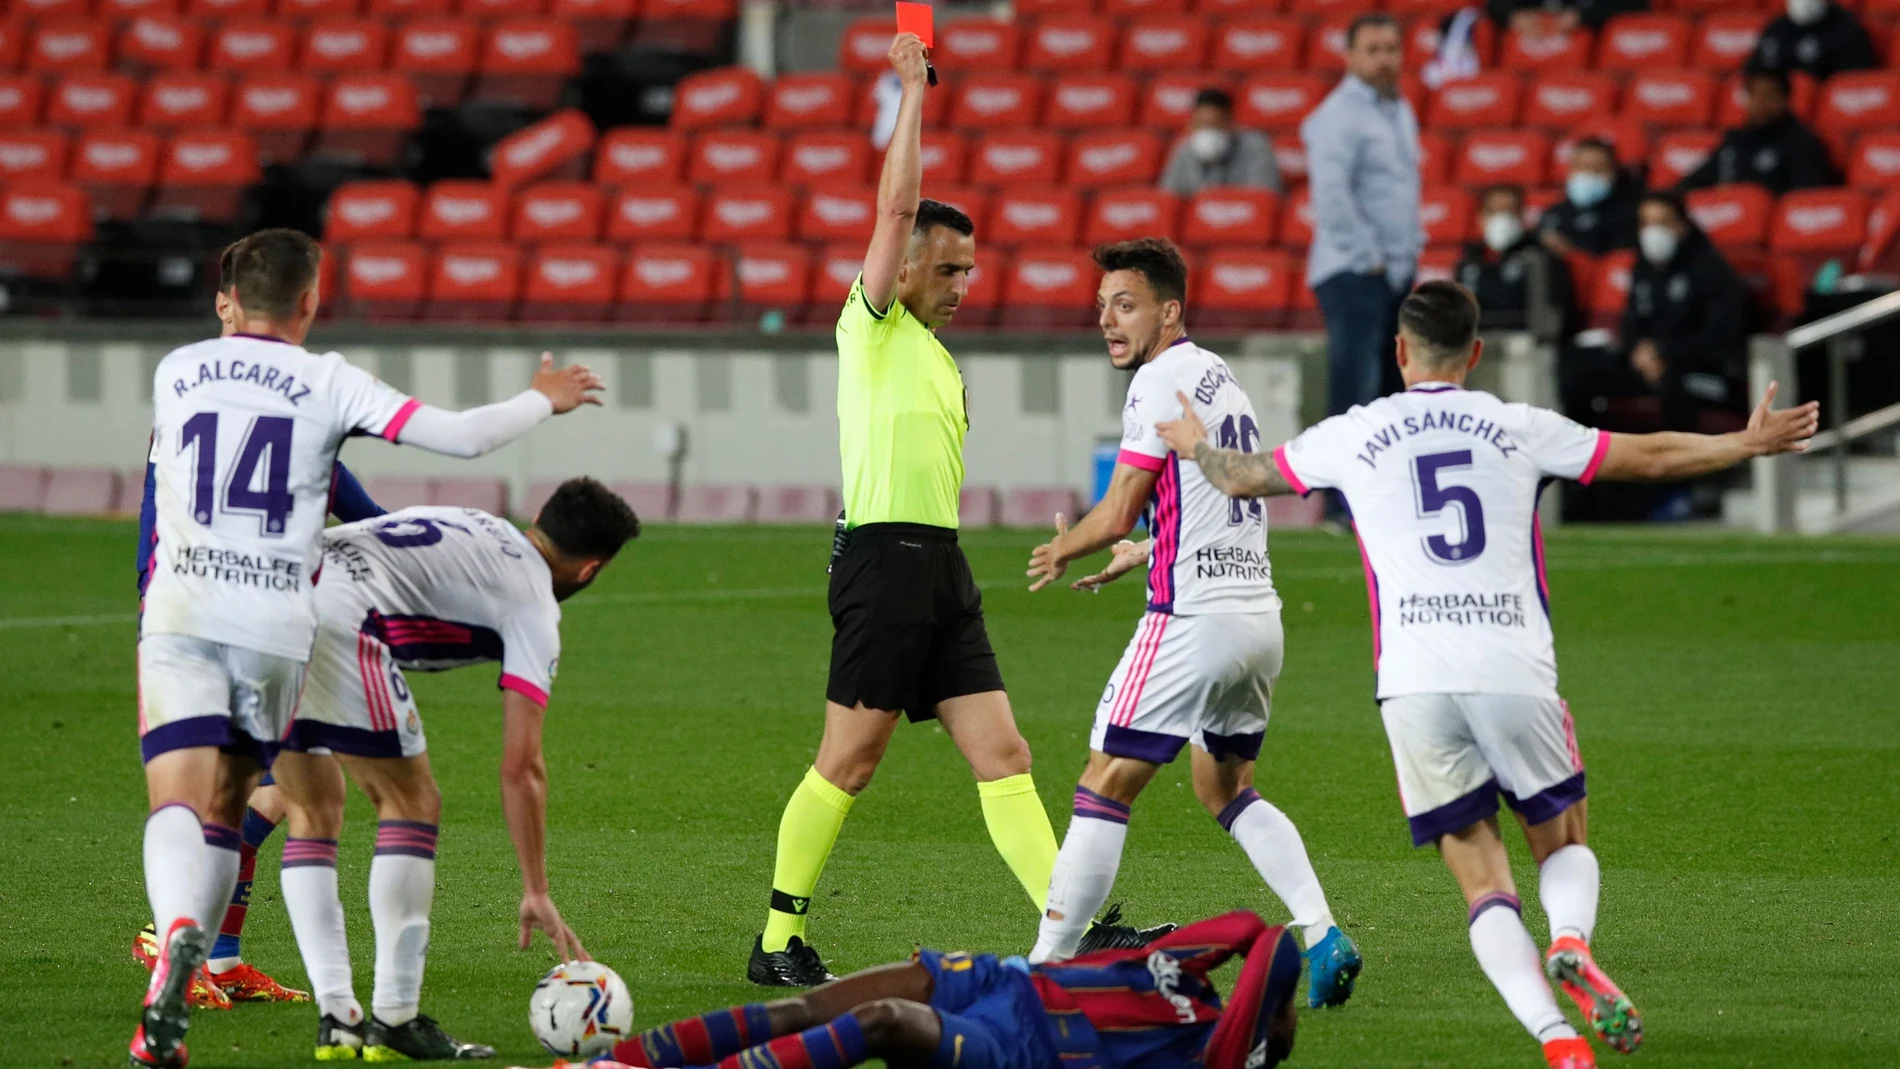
[849, 766]
[419, 799]
[316, 821]
[1001, 758]
[1215, 797]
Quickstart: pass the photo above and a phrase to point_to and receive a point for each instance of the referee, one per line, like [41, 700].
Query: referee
[908, 634]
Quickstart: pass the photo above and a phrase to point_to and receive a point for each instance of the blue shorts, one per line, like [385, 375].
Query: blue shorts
[992, 1017]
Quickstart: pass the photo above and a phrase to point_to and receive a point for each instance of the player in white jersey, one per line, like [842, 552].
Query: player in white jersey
[245, 433]
[425, 589]
[1442, 483]
[1201, 666]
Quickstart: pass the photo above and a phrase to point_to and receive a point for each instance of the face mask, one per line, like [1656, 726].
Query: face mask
[1209, 144]
[1501, 231]
[1806, 12]
[1586, 189]
[1658, 244]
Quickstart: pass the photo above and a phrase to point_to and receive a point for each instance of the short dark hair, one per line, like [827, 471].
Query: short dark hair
[1754, 69]
[225, 261]
[1597, 144]
[271, 269]
[1672, 200]
[1155, 259]
[1367, 21]
[587, 521]
[1443, 315]
[936, 213]
[1515, 191]
[1215, 97]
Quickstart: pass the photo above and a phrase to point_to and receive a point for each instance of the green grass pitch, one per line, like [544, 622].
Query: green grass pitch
[1735, 700]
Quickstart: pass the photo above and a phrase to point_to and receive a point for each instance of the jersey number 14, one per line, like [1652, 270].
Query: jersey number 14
[1242, 434]
[266, 445]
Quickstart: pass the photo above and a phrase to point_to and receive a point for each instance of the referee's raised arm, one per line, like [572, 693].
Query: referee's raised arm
[901, 185]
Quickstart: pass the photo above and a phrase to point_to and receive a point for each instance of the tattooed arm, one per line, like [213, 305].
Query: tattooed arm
[1233, 473]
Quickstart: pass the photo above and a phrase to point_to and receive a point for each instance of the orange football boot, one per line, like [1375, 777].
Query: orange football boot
[1609, 1011]
[245, 982]
[1573, 1053]
[203, 993]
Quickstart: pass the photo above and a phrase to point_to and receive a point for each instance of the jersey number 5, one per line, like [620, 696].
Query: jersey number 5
[1434, 499]
[267, 444]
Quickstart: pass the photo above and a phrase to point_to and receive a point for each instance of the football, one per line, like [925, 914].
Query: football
[580, 1009]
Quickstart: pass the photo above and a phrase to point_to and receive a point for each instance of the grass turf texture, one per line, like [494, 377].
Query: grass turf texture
[1733, 696]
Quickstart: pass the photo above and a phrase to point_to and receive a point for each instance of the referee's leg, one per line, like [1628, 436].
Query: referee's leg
[984, 729]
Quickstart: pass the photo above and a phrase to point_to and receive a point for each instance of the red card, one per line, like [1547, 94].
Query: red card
[920, 19]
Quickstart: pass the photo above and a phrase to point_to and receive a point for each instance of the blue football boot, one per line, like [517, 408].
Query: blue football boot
[1333, 965]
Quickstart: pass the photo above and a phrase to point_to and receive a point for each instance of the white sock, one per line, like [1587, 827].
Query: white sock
[1567, 885]
[219, 875]
[1274, 846]
[401, 891]
[316, 917]
[1085, 871]
[174, 865]
[1510, 961]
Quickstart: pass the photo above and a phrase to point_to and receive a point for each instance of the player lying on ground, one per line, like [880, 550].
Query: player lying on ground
[1142, 1008]
[245, 436]
[1442, 483]
[425, 589]
[1201, 666]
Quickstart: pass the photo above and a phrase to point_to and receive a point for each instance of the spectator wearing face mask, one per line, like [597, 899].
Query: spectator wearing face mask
[1816, 36]
[1598, 212]
[1214, 152]
[1771, 148]
[1520, 285]
[1682, 329]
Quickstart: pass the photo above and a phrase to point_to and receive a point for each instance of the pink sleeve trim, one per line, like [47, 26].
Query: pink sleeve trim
[1140, 460]
[1286, 471]
[1596, 458]
[400, 419]
[525, 689]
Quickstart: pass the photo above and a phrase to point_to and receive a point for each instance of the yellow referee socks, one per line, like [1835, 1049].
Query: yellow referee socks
[806, 834]
[1020, 829]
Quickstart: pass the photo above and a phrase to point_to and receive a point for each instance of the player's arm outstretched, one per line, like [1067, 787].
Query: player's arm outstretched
[476, 431]
[900, 186]
[1670, 456]
[1233, 473]
[1125, 557]
[524, 802]
[1107, 523]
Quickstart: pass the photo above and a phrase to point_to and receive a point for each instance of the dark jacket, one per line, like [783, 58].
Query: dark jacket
[1592, 13]
[1779, 156]
[1502, 283]
[1607, 227]
[1690, 308]
[1837, 42]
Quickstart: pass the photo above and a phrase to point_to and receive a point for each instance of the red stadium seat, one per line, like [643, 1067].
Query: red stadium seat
[1242, 288]
[12, 44]
[798, 504]
[120, 12]
[227, 10]
[1669, 98]
[440, 56]
[936, 105]
[667, 283]
[345, 45]
[1630, 140]
[1258, 45]
[203, 176]
[1438, 263]
[117, 169]
[565, 211]
[1296, 219]
[42, 226]
[1678, 154]
[493, 10]
[571, 283]
[725, 96]
[1050, 288]
[1163, 44]
[34, 155]
[1142, 9]
[1036, 506]
[945, 158]
[1090, 101]
[161, 43]
[1882, 249]
[252, 47]
[1551, 52]
[1610, 292]
[1169, 98]
[838, 214]
[171, 101]
[40, 11]
[1043, 217]
[1113, 159]
[1724, 42]
[1289, 155]
[1561, 101]
[1427, 34]
[475, 280]
[1026, 9]
[1326, 44]
[20, 99]
[976, 45]
[1488, 156]
[1819, 220]
[1446, 213]
[718, 504]
[92, 101]
[555, 147]
[808, 101]
[833, 272]
[1017, 160]
[1643, 42]
[599, 25]
[1278, 102]
[304, 11]
[1489, 99]
[1875, 164]
[1122, 214]
[1731, 105]
[63, 46]
[368, 118]
[996, 101]
[376, 210]
[1069, 43]
[644, 213]
[1733, 216]
[1435, 153]
[978, 506]
[463, 209]
[525, 62]
[1859, 100]
[865, 46]
[768, 276]
[636, 156]
[826, 158]
[408, 9]
[384, 280]
[754, 213]
[727, 156]
[1231, 216]
[278, 111]
[972, 202]
[81, 492]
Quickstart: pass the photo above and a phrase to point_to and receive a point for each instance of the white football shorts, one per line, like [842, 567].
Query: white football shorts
[195, 692]
[1208, 679]
[1456, 753]
[356, 700]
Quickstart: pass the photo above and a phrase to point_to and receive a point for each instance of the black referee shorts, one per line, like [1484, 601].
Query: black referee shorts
[907, 622]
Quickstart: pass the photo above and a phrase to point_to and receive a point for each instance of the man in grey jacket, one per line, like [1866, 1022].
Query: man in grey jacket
[1362, 159]
[1214, 152]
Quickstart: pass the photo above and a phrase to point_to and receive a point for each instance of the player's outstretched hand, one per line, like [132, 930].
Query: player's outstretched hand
[907, 58]
[1044, 568]
[1125, 557]
[1785, 430]
[1183, 435]
[568, 387]
[539, 914]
